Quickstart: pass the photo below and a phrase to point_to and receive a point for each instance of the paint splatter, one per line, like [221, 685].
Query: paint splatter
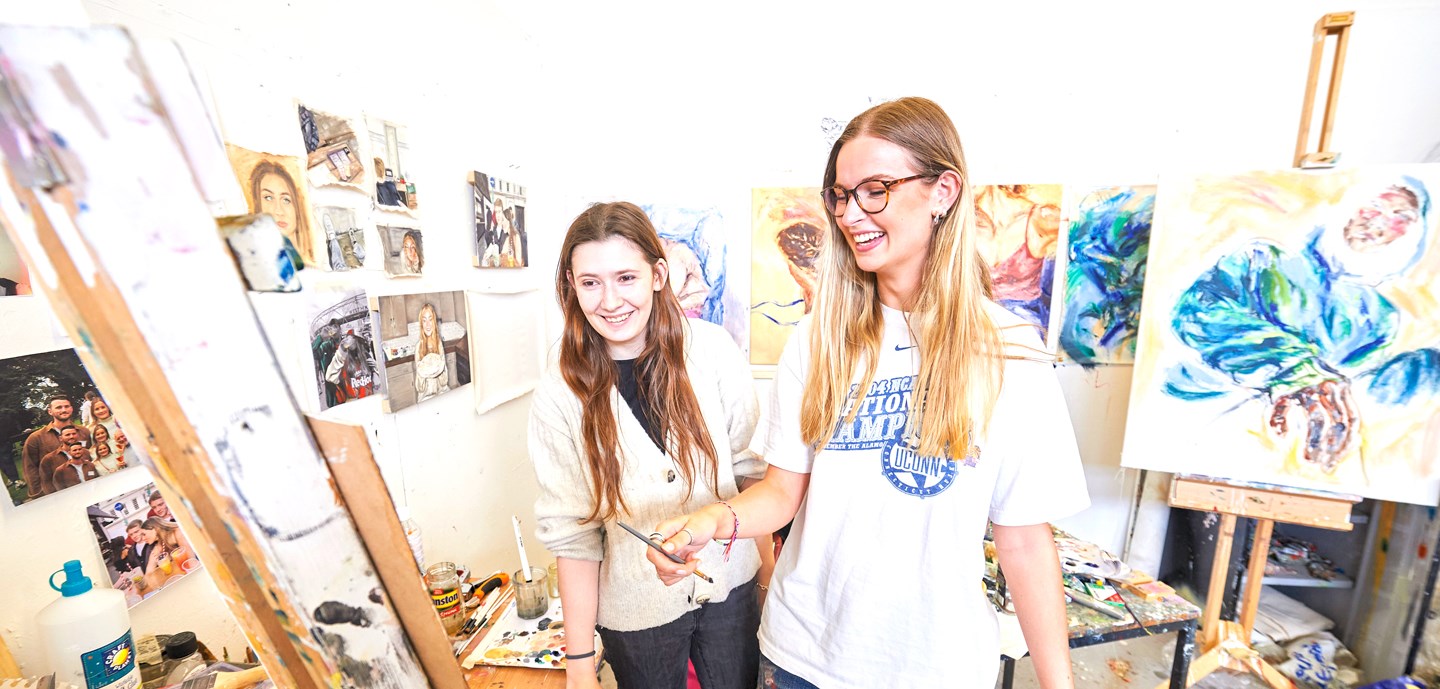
[1121, 668]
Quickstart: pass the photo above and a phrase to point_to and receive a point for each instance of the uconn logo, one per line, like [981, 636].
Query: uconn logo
[913, 474]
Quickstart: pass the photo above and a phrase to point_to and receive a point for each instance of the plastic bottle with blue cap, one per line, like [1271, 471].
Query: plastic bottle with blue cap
[86, 634]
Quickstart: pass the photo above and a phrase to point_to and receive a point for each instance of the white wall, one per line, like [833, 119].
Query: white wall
[672, 102]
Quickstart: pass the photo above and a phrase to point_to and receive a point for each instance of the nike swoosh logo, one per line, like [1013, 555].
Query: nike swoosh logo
[898, 348]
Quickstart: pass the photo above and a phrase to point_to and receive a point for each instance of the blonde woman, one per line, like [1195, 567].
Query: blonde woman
[909, 411]
[431, 374]
[106, 460]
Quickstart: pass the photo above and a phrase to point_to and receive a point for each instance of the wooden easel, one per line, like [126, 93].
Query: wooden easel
[1335, 24]
[1225, 643]
[109, 166]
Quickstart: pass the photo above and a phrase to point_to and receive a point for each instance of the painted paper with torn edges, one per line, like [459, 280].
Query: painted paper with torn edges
[404, 249]
[332, 149]
[344, 237]
[271, 184]
[1109, 239]
[395, 188]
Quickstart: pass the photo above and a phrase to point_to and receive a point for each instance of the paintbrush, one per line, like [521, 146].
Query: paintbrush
[1088, 602]
[225, 680]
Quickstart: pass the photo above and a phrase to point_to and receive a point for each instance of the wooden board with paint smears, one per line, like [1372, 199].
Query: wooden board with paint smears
[516, 642]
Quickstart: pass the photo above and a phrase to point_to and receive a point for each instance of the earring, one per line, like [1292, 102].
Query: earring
[937, 217]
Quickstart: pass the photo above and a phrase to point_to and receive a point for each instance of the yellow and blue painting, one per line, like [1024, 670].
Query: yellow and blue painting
[1109, 238]
[788, 229]
[1290, 332]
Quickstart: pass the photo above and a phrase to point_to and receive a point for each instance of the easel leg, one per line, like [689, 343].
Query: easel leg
[1184, 649]
[1255, 575]
[1210, 622]
[1008, 674]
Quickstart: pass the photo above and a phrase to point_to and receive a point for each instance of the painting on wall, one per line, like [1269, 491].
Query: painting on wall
[1290, 332]
[695, 250]
[56, 430]
[1018, 227]
[332, 148]
[500, 237]
[14, 275]
[143, 547]
[1109, 238]
[270, 186]
[425, 344]
[344, 238]
[390, 157]
[789, 228]
[342, 349]
[404, 251]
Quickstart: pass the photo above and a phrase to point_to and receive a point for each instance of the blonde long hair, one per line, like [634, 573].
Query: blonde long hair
[960, 346]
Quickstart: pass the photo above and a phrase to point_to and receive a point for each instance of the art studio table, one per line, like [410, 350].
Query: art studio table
[494, 677]
[1090, 628]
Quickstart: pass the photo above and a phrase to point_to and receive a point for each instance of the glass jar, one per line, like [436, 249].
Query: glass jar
[553, 581]
[443, 580]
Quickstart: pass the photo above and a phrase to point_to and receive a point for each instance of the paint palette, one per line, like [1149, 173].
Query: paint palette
[538, 643]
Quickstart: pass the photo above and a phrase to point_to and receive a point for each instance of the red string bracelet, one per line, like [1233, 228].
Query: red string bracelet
[735, 528]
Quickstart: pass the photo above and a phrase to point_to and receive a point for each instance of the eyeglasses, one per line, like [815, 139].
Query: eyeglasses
[872, 196]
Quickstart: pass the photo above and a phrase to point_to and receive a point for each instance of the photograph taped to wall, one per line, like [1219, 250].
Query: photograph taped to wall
[332, 148]
[56, 428]
[271, 186]
[404, 250]
[344, 238]
[14, 275]
[342, 350]
[1290, 332]
[1018, 228]
[143, 547]
[425, 344]
[500, 237]
[1109, 238]
[694, 240]
[789, 227]
[390, 157]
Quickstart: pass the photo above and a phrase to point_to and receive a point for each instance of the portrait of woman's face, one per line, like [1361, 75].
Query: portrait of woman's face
[278, 199]
[100, 409]
[102, 435]
[151, 536]
[410, 252]
[427, 322]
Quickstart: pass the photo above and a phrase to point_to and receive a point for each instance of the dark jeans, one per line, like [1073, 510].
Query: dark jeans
[720, 638]
[773, 676]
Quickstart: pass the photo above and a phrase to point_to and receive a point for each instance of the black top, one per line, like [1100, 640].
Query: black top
[630, 390]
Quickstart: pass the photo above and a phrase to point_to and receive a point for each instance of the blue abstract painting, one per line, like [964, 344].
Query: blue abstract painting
[1109, 240]
[695, 249]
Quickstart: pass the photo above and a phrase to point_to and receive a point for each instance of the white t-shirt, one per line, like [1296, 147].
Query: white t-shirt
[880, 582]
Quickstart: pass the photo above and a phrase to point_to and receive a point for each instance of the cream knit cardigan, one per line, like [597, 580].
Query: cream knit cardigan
[631, 596]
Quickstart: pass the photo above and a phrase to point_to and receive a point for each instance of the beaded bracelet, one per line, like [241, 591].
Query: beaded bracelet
[735, 529]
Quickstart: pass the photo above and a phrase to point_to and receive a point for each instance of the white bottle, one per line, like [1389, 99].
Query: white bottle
[86, 634]
[412, 535]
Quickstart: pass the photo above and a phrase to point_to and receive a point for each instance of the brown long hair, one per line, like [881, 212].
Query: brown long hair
[960, 346]
[302, 223]
[660, 370]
